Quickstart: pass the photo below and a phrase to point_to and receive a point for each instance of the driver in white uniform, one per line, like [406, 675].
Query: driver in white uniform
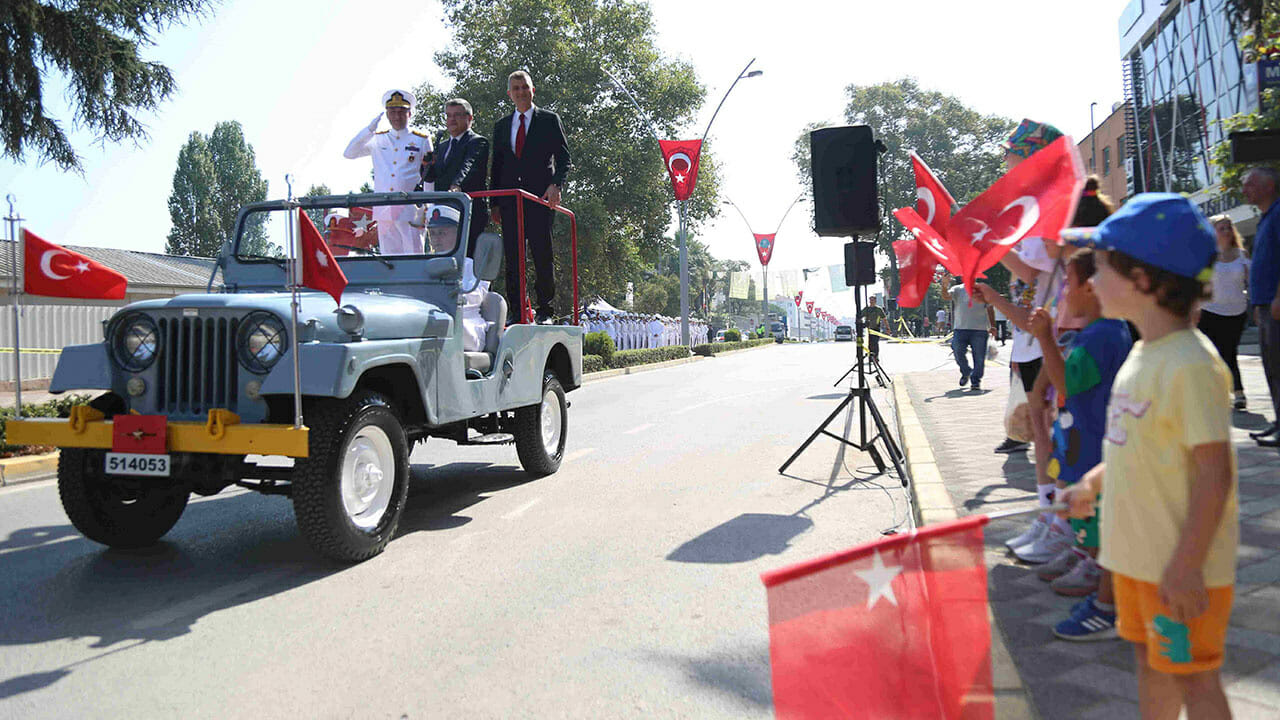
[442, 239]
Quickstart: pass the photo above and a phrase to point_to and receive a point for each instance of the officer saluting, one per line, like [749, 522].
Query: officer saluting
[398, 156]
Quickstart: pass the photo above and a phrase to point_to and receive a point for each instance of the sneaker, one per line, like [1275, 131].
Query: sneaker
[1032, 533]
[1087, 623]
[1082, 580]
[1011, 446]
[1049, 546]
[964, 380]
[1060, 565]
[977, 385]
[1241, 404]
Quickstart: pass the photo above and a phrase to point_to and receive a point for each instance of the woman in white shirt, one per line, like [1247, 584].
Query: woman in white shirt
[1222, 317]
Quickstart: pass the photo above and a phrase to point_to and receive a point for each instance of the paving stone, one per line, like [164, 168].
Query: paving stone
[1261, 688]
[1267, 571]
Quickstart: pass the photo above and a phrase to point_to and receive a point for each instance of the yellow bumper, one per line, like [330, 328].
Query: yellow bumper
[221, 434]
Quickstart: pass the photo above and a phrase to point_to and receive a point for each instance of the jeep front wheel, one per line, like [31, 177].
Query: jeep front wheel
[119, 512]
[348, 495]
[540, 429]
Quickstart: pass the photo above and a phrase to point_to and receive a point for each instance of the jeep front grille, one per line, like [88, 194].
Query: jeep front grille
[197, 365]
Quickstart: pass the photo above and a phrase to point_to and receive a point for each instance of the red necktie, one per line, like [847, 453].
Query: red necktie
[520, 137]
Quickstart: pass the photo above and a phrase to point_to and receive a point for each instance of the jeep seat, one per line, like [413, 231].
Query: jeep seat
[487, 261]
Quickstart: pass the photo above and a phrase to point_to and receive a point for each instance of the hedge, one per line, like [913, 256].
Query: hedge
[732, 335]
[709, 349]
[598, 344]
[593, 363]
[56, 407]
[629, 358]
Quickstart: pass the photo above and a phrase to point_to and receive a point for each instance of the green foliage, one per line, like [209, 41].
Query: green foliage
[56, 407]
[216, 176]
[652, 297]
[593, 363]
[960, 145]
[617, 187]
[709, 349]
[598, 344]
[732, 335]
[317, 216]
[94, 46]
[1232, 174]
[629, 358]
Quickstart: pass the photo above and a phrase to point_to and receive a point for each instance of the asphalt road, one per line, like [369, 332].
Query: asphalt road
[625, 585]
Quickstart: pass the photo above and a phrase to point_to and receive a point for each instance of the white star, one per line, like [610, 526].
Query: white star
[362, 223]
[81, 267]
[679, 178]
[320, 258]
[981, 233]
[880, 578]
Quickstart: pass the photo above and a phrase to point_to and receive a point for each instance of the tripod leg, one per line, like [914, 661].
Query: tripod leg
[845, 375]
[895, 453]
[821, 428]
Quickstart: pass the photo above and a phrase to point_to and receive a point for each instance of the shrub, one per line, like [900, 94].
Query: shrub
[710, 349]
[593, 363]
[55, 407]
[599, 344]
[629, 358]
[732, 335]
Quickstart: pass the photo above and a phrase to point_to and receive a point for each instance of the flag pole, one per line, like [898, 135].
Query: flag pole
[295, 267]
[16, 261]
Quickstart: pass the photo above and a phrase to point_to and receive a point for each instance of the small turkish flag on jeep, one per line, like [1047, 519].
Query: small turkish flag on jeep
[319, 270]
[54, 271]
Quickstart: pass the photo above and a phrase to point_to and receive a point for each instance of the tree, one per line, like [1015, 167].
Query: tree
[94, 46]
[1259, 42]
[618, 187]
[317, 216]
[961, 145]
[216, 176]
[651, 297]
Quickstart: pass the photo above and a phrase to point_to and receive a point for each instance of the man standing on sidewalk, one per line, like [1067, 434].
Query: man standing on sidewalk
[973, 321]
[1261, 187]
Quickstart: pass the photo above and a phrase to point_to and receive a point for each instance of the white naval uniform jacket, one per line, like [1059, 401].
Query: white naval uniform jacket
[397, 161]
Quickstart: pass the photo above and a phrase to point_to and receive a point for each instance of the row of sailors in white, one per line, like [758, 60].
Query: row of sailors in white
[398, 155]
[633, 331]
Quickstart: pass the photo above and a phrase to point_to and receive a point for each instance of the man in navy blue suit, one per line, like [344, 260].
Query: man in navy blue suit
[530, 152]
[461, 160]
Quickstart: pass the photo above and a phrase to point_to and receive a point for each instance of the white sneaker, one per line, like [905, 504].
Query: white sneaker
[1046, 548]
[1030, 535]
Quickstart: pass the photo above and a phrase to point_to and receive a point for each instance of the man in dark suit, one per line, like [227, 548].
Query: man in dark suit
[530, 152]
[461, 160]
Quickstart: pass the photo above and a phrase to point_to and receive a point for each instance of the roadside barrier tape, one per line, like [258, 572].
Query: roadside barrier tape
[921, 341]
[34, 351]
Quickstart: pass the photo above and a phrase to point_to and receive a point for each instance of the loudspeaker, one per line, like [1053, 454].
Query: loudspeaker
[859, 263]
[845, 198]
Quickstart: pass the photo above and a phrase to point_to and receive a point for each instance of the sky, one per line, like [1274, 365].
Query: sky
[301, 87]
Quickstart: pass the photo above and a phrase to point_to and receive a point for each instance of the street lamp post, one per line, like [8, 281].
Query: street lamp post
[1093, 141]
[764, 266]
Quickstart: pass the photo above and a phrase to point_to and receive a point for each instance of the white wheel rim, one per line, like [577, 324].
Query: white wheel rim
[552, 420]
[368, 476]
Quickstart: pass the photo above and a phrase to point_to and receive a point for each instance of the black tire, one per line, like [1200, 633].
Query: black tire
[531, 446]
[117, 512]
[318, 506]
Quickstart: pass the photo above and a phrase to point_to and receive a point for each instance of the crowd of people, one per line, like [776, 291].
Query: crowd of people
[636, 331]
[1130, 411]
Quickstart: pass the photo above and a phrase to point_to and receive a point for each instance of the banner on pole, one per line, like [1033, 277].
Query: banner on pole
[837, 278]
[681, 159]
[764, 247]
[53, 271]
[739, 284]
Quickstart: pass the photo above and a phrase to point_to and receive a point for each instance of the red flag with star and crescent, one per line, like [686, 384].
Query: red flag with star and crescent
[895, 628]
[320, 270]
[681, 158]
[54, 271]
[916, 267]
[799, 298]
[808, 307]
[764, 247]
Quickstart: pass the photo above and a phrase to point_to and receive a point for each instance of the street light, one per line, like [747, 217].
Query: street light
[1093, 140]
[764, 266]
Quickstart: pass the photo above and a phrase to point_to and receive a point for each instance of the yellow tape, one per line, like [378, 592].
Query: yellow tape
[910, 340]
[33, 351]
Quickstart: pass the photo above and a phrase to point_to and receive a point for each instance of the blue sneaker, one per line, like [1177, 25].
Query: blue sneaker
[1087, 623]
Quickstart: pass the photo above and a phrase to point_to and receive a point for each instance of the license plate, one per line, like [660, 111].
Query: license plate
[137, 464]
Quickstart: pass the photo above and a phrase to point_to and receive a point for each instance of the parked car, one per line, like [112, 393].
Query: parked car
[844, 333]
[196, 387]
[719, 336]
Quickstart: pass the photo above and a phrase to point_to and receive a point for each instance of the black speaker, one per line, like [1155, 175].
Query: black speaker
[859, 263]
[845, 198]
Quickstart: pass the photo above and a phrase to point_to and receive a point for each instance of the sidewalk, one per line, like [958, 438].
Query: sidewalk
[1096, 680]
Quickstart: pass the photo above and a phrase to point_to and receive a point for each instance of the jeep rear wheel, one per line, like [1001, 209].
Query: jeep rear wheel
[349, 494]
[119, 512]
[541, 429]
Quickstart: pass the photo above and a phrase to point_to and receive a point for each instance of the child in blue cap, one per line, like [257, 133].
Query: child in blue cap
[1169, 515]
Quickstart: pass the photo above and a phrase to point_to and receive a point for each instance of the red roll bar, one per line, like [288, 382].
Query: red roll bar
[526, 310]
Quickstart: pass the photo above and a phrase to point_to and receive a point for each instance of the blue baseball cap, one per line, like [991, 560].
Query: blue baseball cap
[1165, 230]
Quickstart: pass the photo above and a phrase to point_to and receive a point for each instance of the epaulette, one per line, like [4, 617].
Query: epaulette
[382, 132]
[419, 133]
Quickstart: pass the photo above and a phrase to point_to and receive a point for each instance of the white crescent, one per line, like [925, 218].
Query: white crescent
[46, 264]
[1030, 215]
[925, 196]
[679, 156]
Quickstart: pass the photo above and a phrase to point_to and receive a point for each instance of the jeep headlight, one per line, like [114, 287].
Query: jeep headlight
[135, 342]
[262, 342]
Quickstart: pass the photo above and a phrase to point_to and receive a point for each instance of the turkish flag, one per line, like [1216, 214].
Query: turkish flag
[681, 158]
[54, 271]
[319, 270]
[895, 628]
[933, 202]
[799, 297]
[764, 247]
[808, 307]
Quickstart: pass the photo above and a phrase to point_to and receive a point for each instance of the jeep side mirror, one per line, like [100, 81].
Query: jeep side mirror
[443, 268]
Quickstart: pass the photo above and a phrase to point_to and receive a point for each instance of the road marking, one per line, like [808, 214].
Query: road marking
[639, 428]
[198, 606]
[28, 485]
[521, 510]
[739, 396]
[64, 538]
[578, 454]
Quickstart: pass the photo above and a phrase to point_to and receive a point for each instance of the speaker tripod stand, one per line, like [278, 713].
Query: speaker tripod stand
[867, 440]
[866, 358]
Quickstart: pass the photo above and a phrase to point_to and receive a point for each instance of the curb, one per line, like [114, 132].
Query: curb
[615, 372]
[29, 468]
[931, 503]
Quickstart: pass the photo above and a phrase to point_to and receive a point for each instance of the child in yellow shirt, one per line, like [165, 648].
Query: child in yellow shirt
[1169, 514]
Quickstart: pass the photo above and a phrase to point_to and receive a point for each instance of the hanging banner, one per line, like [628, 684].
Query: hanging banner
[837, 278]
[808, 307]
[788, 281]
[799, 298]
[681, 159]
[764, 247]
[739, 285]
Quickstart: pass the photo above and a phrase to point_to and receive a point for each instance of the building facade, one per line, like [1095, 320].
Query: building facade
[1183, 74]
[1103, 152]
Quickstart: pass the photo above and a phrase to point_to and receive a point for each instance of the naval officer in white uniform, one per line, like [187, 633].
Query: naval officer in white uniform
[398, 156]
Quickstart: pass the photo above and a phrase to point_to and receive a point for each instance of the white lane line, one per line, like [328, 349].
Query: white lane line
[521, 510]
[64, 538]
[639, 428]
[738, 396]
[578, 454]
[199, 605]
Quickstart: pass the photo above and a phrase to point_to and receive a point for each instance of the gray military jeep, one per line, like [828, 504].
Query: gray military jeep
[200, 389]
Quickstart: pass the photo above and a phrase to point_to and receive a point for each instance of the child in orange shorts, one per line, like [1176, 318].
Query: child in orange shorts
[1169, 516]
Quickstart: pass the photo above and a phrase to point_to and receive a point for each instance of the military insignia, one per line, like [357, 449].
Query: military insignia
[412, 148]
